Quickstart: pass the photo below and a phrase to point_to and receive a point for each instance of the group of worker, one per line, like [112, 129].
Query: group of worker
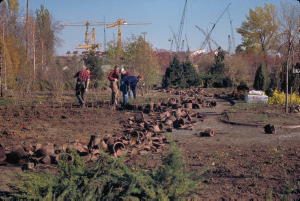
[127, 83]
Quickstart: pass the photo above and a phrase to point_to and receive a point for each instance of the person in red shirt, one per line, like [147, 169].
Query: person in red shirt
[113, 79]
[82, 84]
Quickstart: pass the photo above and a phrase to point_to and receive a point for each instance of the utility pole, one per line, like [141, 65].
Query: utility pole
[144, 33]
[26, 30]
[33, 44]
[1, 62]
[287, 83]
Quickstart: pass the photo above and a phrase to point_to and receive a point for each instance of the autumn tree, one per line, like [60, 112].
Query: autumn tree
[259, 30]
[237, 69]
[137, 57]
[46, 37]
[11, 43]
[142, 59]
[114, 54]
[289, 26]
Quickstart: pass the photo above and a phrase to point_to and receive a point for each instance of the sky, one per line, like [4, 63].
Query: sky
[165, 17]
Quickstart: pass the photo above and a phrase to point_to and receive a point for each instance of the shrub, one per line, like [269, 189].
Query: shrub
[260, 80]
[278, 98]
[110, 179]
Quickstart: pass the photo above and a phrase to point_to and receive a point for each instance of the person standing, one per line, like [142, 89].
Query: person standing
[123, 86]
[131, 82]
[113, 78]
[82, 84]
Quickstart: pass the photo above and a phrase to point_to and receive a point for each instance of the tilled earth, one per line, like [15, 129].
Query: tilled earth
[240, 161]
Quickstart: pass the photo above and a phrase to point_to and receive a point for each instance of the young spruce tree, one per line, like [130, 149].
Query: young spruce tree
[174, 75]
[260, 80]
[190, 74]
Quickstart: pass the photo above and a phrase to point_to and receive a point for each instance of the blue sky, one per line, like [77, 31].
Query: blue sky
[162, 14]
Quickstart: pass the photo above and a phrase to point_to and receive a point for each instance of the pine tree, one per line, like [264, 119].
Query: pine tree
[174, 75]
[218, 69]
[190, 74]
[94, 63]
[260, 80]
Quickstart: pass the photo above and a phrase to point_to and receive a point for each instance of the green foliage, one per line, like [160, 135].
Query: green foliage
[68, 85]
[260, 80]
[138, 58]
[142, 60]
[217, 72]
[110, 179]
[46, 37]
[35, 186]
[172, 180]
[174, 74]
[180, 75]
[259, 30]
[243, 86]
[190, 74]
[94, 63]
[6, 102]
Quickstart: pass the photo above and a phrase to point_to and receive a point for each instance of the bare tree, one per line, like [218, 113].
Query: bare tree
[289, 26]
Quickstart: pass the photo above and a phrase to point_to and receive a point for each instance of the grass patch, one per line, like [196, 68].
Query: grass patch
[6, 102]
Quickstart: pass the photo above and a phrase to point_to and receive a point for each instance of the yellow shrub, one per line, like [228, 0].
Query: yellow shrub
[278, 98]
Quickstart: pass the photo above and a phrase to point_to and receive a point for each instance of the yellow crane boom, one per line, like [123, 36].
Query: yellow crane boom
[120, 22]
[87, 44]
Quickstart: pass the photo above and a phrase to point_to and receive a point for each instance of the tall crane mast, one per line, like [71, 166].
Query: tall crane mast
[174, 36]
[209, 33]
[232, 35]
[181, 26]
[87, 44]
[229, 44]
[120, 22]
[187, 45]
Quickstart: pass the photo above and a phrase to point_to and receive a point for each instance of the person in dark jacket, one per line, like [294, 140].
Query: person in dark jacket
[131, 82]
[82, 84]
[123, 86]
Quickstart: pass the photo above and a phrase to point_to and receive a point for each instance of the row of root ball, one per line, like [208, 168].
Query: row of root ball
[143, 134]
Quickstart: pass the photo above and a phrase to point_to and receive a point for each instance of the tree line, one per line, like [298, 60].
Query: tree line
[264, 60]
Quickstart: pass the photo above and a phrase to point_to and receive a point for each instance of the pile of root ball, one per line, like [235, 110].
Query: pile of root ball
[144, 133]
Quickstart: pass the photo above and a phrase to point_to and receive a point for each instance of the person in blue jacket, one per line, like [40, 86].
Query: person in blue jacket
[131, 82]
[124, 91]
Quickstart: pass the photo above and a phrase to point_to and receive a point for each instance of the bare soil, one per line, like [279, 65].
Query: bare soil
[240, 161]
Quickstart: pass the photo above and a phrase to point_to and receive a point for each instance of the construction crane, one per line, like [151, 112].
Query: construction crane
[210, 39]
[209, 33]
[87, 45]
[174, 36]
[232, 35]
[120, 22]
[181, 26]
[187, 45]
[229, 44]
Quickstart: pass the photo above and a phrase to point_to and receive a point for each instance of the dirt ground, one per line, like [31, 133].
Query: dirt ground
[240, 161]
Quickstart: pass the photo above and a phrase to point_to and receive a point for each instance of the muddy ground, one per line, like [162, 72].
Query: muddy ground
[240, 161]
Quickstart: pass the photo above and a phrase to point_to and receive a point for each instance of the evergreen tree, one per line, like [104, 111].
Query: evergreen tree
[260, 80]
[190, 74]
[174, 75]
[94, 63]
[218, 69]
